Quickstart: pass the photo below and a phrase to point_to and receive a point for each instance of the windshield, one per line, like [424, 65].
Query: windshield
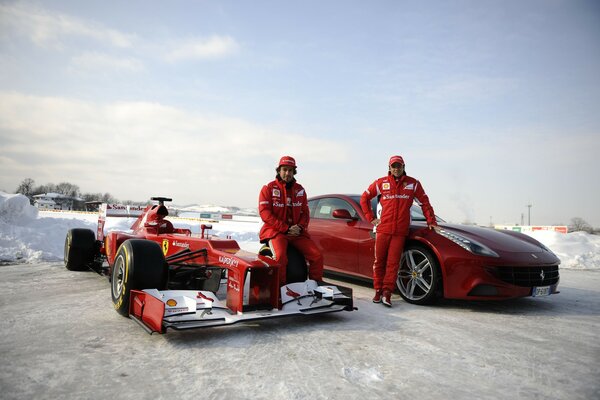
[416, 214]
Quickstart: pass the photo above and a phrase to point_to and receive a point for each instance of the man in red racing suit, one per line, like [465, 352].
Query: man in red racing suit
[284, 210]
[397, 192]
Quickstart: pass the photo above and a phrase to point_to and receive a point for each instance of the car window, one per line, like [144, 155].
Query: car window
[374, 202]
[311, 207]
[325, 207]
[416, 214]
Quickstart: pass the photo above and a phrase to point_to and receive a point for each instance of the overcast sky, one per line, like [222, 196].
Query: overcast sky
[493, 104]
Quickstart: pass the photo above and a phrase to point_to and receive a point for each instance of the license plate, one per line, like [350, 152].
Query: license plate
[541, 291]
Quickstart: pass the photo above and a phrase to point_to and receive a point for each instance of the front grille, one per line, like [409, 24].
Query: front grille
[529, 276]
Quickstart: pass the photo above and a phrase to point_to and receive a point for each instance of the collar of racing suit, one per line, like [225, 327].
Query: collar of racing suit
[398, 178]
[288, 185]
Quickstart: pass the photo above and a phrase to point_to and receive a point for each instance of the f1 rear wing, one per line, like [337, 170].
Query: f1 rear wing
[116, 210]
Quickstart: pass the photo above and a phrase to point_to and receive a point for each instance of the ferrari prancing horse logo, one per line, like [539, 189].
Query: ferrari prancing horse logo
[165, 246]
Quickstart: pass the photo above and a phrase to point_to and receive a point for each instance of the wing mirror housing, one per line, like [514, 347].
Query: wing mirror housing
[342, 214]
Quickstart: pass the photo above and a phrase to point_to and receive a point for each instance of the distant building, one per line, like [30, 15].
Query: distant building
[56, 201]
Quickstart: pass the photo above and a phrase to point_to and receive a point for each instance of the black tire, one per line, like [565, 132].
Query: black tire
[296, 270]
[80, 249]
[419, 277]
[139, 264]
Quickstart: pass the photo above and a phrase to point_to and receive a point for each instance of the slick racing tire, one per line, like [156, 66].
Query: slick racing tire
[139, 264]
[296, 270]
[419, 277]
[80, 248]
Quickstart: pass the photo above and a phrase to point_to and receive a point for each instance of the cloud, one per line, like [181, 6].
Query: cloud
[212, 47]
[51, 29]
[94, 61]
[137, 149]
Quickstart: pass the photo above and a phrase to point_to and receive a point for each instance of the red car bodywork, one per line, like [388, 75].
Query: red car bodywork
[522, 263]
[220, 253]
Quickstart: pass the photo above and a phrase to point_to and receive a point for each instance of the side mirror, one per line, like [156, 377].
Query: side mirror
[342, 214]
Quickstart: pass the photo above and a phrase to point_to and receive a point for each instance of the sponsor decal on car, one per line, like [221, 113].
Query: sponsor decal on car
[165, 246]
[176, 310]
[229, 261]
[233, 284]
[180, 244]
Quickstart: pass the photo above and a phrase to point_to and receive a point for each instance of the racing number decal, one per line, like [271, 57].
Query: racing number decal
[165, 246]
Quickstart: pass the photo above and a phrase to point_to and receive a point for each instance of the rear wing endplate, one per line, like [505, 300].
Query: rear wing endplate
[116, 210]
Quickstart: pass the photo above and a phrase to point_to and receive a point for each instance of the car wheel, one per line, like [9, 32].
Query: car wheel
[139, 264]
[80, 246]
[419, 276]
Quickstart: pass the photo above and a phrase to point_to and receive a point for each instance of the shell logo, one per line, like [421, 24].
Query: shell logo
[171, 302]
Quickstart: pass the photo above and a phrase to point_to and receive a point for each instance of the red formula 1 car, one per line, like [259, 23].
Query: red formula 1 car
[165, 277]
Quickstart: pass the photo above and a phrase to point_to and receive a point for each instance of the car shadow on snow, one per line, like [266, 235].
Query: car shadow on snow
[338, 323]
[570, 301]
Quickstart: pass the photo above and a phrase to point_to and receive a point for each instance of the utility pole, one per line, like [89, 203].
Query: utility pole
[529, 214]
[522, 219]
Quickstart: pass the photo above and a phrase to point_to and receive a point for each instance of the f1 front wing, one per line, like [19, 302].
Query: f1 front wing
[156, 311]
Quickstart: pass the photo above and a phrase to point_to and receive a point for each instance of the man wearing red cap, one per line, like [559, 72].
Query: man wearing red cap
[396, 192]
[283, 207]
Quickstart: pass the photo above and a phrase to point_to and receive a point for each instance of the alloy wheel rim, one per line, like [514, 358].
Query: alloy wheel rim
[67, 249]
[415, 276]
[117, 282]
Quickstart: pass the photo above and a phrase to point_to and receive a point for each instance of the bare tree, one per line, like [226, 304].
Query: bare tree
[579, 224]
[91, 197]
[47, 188]
[26, 187]
[107, 198]
[68, 189]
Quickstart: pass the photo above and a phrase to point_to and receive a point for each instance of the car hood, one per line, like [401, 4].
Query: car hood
[497, 240]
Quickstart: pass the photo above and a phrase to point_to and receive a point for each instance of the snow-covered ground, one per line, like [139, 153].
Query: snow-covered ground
[61, 338]
[27, 235]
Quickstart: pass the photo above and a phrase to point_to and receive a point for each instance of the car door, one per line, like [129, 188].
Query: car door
[365, 241]
[337, 238]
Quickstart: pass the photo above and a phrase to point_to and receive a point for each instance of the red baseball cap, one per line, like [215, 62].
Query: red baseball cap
[396, 159]
[287, 160]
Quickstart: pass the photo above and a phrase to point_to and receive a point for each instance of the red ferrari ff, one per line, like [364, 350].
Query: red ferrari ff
[458, 262]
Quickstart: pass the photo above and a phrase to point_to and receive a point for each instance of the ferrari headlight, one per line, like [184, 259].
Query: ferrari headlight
[468, 244]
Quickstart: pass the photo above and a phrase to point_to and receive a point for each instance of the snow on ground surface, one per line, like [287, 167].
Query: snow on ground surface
[61, 338]
[27, 235]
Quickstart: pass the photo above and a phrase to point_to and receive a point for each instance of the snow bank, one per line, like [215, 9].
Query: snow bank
[577, 250]
[29, 236]
[24, 236]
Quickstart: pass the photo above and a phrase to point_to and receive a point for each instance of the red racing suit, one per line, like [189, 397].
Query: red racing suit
[396, 199]
[280, 207]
